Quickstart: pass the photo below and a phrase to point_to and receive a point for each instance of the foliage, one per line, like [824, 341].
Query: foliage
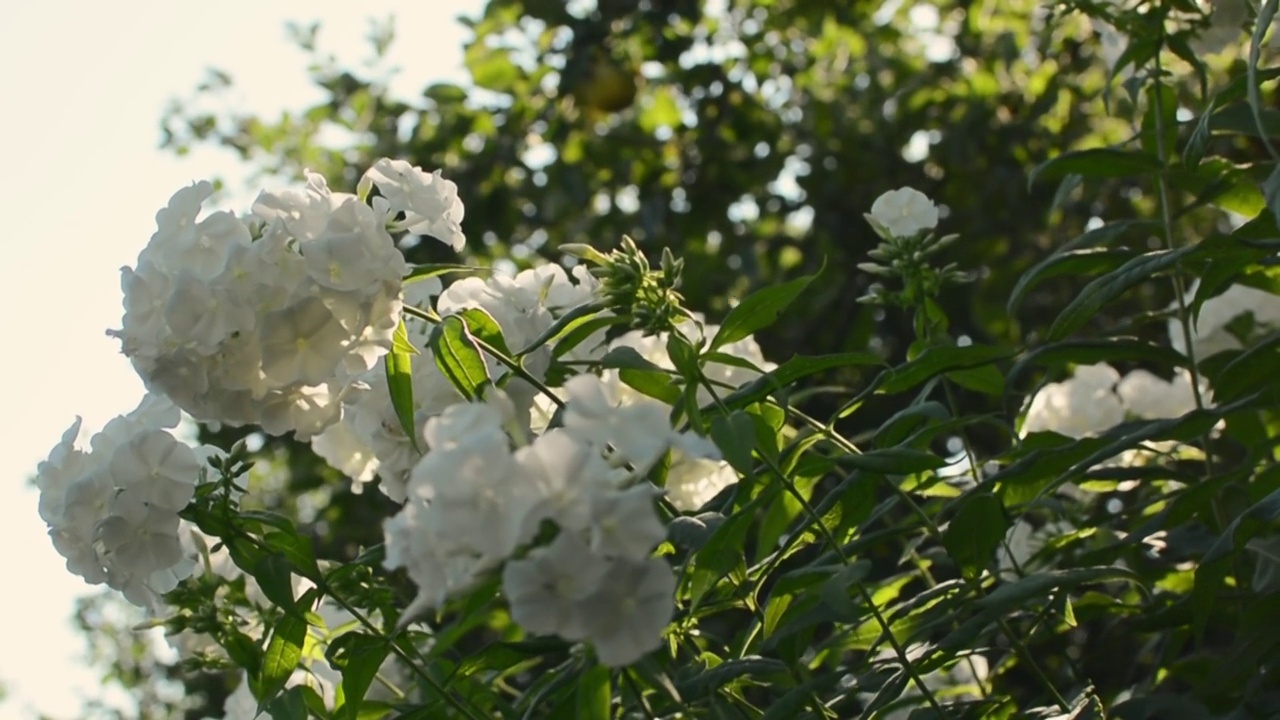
[919, 525]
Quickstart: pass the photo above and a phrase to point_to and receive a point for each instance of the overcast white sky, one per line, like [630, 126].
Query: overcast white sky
[83, 86]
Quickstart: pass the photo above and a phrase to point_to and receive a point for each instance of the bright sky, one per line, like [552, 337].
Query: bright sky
[84, 86]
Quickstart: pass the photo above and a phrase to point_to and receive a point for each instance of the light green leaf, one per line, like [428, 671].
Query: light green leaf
[459, 358]
[399, 369]
[483, 327]
[282, 656]
[594, 694]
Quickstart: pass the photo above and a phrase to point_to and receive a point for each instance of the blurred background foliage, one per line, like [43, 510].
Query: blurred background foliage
[749, 136]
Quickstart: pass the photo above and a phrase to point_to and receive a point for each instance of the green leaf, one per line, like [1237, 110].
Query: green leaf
[899, 427]
[290, 705]
[627, 357]
[734, 435]
[895, 461]
[296, 548]
[935, 361]
[483, 327]
[1012, 595]
[797, 368]
[1266, 569]
[986, 379]
[835, 590]
[655, 384]
[1096, 163]
[1162, 109]
[594, 694]
[427, 270]
[684, 356]
[1198, 143]
[693, 532]
[1266, 14]
[358, 656]
[276, 580]
[1271, 192]
[399, 369]
[710, 680]
[567, 322]
[974, 533]
[282, 656]
[759, 310]
[1074, 263]
[400, 341]
[1107, 288]
[459, 358]
[243, 650]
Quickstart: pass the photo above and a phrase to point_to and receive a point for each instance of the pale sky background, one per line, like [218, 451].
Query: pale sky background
[83, 89]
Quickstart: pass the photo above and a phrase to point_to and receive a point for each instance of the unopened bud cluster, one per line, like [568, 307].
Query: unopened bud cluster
[631, 286]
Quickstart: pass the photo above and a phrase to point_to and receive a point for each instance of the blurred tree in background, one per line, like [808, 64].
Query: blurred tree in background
[749, 136]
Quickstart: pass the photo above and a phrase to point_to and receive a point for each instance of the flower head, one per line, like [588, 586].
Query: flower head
[903, 213]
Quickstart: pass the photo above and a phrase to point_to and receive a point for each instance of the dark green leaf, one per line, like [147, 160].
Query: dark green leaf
[759, 310]
[290, 705]
[1103, 290]
[712, 679]
[358, 656]
[426, 270]
[627, 357]
[734, 435]
[797, 368]
[1076, 263]
[974, 533]
[895, 460]
[897, 428]
[276, 580]
[1096, 163]
[935, 361]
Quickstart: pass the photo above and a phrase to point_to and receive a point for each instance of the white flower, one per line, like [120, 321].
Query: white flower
[346, 451]
[903, 213]
[266, 322]
[637, 434]
[113, 511]
[1152, 398]
[1084, 405]
[544, 586]
[1209, 333]
[625, 617]
[430, 203]
[625, 523]
[566, 473]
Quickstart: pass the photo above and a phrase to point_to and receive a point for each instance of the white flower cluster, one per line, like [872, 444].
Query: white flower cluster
[475, 503]
[370, 440]
[1096, 398]
[112, 509]
[266, 320]
[1210, 334]
[693, 479]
